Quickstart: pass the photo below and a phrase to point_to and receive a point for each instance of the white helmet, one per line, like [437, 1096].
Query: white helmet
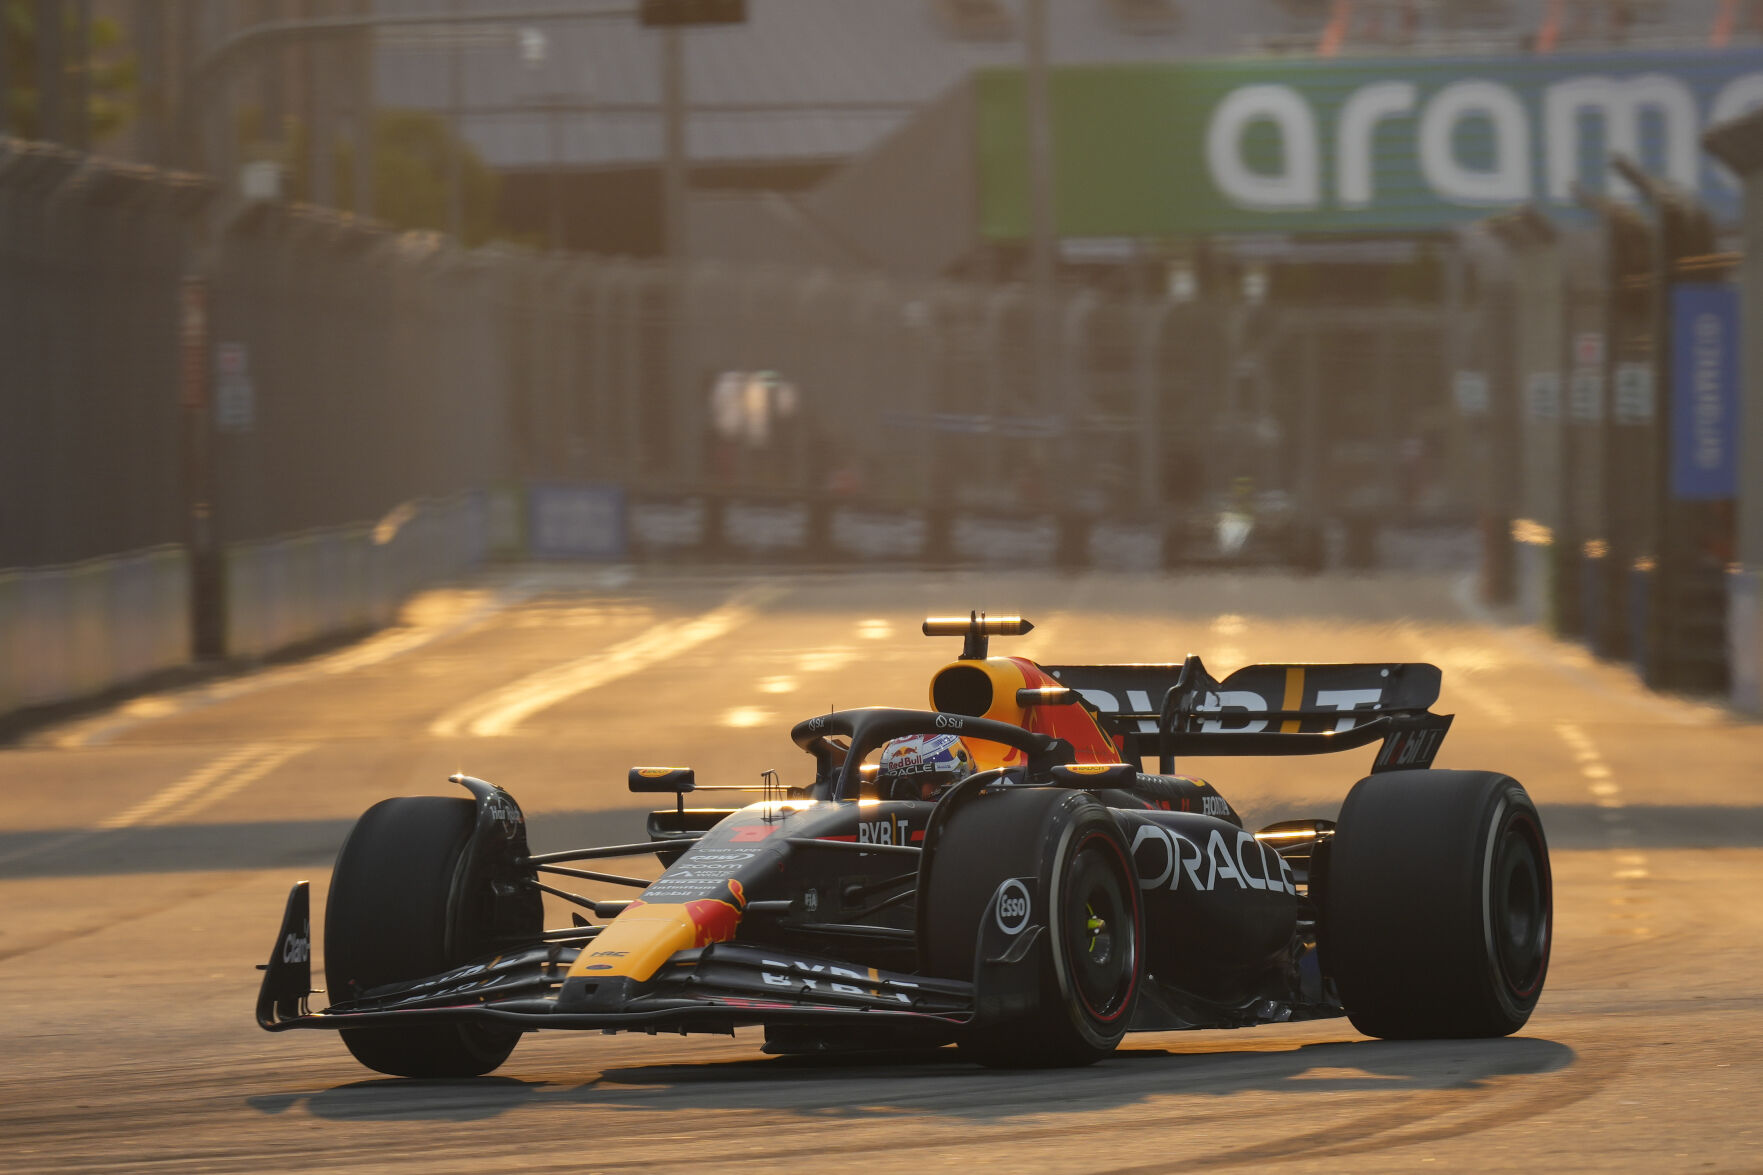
[920, 766]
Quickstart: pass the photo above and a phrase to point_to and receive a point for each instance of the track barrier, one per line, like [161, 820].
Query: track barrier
[80, 630]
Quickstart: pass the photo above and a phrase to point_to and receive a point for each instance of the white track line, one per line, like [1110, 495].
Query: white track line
[208, 784]
[228, 785]
[1607, 795]
[380, 647]
[1608, 681]
[185, 788]
[501, 711]
[60, 842]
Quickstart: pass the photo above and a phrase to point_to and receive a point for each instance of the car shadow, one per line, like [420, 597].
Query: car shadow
[941, 1083]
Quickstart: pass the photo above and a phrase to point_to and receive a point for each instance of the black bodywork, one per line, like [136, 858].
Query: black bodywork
[808, 899]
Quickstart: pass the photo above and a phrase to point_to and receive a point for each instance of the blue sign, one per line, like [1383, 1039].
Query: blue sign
[1705, 344]
[576, 521]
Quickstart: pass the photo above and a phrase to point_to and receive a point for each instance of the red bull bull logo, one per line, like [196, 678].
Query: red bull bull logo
[715, 919]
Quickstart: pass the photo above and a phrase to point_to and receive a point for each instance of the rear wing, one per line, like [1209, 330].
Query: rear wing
[1170, 710]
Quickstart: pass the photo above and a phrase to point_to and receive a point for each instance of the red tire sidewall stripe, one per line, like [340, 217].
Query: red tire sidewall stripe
[1130, 880]
[1540, 849]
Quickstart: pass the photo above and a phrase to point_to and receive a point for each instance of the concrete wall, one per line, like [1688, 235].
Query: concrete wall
[78, 630]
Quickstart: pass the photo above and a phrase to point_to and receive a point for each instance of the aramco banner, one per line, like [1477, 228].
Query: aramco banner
[1364, 146]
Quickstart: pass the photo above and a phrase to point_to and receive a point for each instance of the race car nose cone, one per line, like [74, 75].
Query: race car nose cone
[584, 993]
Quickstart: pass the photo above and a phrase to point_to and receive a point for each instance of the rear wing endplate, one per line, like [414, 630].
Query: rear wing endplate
[1169, 710]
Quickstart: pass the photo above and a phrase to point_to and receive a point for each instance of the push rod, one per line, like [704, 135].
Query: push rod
[605, 851]
[812, 842]
[590, 875]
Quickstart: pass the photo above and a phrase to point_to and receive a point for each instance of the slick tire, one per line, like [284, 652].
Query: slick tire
[402, 907]
[1437, 905]
[1088, 959]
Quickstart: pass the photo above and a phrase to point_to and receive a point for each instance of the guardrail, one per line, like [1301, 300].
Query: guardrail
[300, 588]
[76, 631]
[608, 521]
[80, 629]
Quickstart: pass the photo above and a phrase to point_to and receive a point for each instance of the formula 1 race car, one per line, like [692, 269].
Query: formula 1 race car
[1033, 912]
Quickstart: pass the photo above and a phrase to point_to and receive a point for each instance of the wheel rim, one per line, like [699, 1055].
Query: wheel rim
[1100, 930]
[1520, 905]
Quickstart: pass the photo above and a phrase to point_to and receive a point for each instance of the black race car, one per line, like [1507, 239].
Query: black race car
[1035, 911]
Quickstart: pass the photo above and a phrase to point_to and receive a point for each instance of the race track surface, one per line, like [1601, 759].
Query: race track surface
[145, 853]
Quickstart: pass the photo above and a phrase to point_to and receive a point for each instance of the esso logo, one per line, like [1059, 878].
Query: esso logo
[947, 722]
[1014, 906]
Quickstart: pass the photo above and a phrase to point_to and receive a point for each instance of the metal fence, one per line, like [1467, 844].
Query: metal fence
[259, 385]
[90, 257]
[1593, 530]
[168, 374]
[335, 369]
[77, 630]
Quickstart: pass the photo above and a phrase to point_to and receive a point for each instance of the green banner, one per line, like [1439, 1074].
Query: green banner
[1359, 146]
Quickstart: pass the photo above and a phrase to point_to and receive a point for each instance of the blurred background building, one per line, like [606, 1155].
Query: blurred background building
[788, 113]
[1063, 280]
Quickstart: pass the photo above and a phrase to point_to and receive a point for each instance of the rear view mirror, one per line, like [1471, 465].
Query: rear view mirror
[1092, 775]
[1046, 695]
[672, 780]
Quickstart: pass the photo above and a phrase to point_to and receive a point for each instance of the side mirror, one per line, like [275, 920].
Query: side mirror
[1092, 775]
[1047, 695]
[672, 780]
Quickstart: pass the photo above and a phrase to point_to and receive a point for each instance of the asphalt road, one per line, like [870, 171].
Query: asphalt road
[145, 853]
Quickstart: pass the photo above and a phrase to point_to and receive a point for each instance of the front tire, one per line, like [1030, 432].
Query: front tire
[1438, 905]
[1089, 960]
[402, 906]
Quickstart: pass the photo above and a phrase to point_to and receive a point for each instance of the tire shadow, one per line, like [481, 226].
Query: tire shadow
[941, 1083]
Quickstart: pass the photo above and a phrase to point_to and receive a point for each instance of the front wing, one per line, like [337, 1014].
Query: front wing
[710, 989]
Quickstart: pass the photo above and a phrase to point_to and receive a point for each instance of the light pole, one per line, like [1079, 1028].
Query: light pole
[204, 106]
[455, 141]
[535, 53]
[1042, 228]
[51, 71]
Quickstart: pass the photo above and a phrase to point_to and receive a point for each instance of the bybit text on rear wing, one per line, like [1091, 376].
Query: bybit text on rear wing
[1168, 710]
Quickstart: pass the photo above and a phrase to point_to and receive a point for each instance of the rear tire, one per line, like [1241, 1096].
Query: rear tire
[401, 907]
[1438, 905]
[1089, 958]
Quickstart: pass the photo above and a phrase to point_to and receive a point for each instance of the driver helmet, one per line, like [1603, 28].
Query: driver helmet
[921, 766]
